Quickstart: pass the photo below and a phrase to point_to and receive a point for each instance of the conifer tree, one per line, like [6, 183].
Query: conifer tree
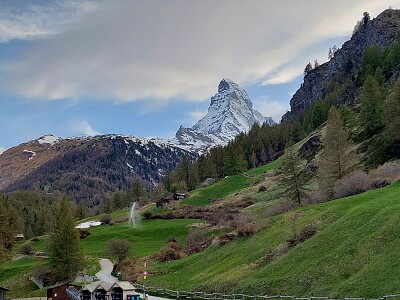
[294, 178]
[371, 106]
[66, 254]
[392, 118]
[10, 224]
[137, 189]
[335, 160]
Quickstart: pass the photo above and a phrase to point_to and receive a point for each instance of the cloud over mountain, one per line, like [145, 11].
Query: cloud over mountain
[157, 50]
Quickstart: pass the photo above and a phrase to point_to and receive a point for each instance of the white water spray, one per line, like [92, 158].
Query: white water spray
[133, 216]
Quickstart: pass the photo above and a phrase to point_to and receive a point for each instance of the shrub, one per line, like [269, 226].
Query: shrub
[262, 188]
[305, 233]
[196, 236]
[118, 248]
[26, 249]
[246, 229]
[147, 214]
[172, 251]
[83, 233]
[106, 219]
[354, 183]
[385, 174]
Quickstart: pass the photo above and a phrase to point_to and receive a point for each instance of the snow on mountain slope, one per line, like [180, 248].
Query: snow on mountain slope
[230, 113]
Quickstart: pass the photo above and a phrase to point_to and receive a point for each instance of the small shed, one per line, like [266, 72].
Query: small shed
[123, 290]
[3, 293]
[101, 290]
[60, 292]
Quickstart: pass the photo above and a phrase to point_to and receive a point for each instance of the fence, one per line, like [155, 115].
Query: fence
[221, 296]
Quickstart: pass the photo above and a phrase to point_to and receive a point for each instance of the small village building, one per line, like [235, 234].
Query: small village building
[60, 292]
[101, 290]
[3, 292]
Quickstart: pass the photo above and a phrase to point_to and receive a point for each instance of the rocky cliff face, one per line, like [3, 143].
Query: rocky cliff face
[230, 113]
[382, 31]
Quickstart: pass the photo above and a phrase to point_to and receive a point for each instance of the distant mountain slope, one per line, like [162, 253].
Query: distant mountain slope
[230, 113]
[86, 168]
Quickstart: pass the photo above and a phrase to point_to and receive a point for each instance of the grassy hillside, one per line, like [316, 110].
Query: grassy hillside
[148, 238]
[354, 254]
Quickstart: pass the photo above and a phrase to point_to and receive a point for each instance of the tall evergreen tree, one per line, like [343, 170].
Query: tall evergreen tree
[371, 106]
[335, 160]
[392, 119]
[294, 178]
[10, 224]
[137, 189]
[66, 254]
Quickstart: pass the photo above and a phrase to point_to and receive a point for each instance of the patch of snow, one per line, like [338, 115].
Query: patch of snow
[88, 224]
[48, 139]
[138, 152]
[130, 167]
[30, 152]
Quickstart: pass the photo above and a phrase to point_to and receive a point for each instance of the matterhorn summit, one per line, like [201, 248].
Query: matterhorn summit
[230, 113]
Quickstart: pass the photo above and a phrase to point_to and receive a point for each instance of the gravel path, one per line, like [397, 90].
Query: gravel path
[105, 272]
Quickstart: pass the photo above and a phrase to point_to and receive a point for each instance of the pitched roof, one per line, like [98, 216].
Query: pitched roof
[125, 285]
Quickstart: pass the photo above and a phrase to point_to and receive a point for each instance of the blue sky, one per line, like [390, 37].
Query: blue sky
[85, 67]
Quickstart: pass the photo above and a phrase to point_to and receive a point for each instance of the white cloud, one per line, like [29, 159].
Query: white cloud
[268, 107]
[2, 149]
[283, 76]
[30, 20]
[83, 127]
[195, 116]
[157, 50]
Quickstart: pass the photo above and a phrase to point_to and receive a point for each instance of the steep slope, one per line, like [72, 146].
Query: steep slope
[344, 67]
[353, 254]
[86, 168]
[230, 113]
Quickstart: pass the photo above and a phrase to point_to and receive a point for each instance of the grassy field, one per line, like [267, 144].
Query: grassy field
[354, 254]
[13, 275]
[148, 238]
[265, 168]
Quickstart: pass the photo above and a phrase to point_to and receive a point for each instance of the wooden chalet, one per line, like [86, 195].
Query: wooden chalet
[60, 292]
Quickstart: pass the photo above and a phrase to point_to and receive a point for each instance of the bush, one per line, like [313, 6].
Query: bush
[118, 248]
[305, 233]
[147, 214]
[385, 174]
[106, 219]
[26, 249]
[246, 229]
[196, 236]
[172, 251]
[262, 188]
[83, 233]
[354, 183]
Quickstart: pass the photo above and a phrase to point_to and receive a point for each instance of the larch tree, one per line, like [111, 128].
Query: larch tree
[336, 159]
[66, 254]
[294, 178]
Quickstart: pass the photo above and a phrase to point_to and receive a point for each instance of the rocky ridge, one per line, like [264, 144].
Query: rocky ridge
[382, 31]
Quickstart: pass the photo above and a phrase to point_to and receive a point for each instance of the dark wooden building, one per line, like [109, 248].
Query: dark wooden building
[3, 293]
[60, 292]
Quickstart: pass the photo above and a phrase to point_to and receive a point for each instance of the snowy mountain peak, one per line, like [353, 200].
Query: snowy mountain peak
[225, 85]
[230, 113]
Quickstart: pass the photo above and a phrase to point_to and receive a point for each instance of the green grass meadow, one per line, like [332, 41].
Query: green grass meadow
[354, 254]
